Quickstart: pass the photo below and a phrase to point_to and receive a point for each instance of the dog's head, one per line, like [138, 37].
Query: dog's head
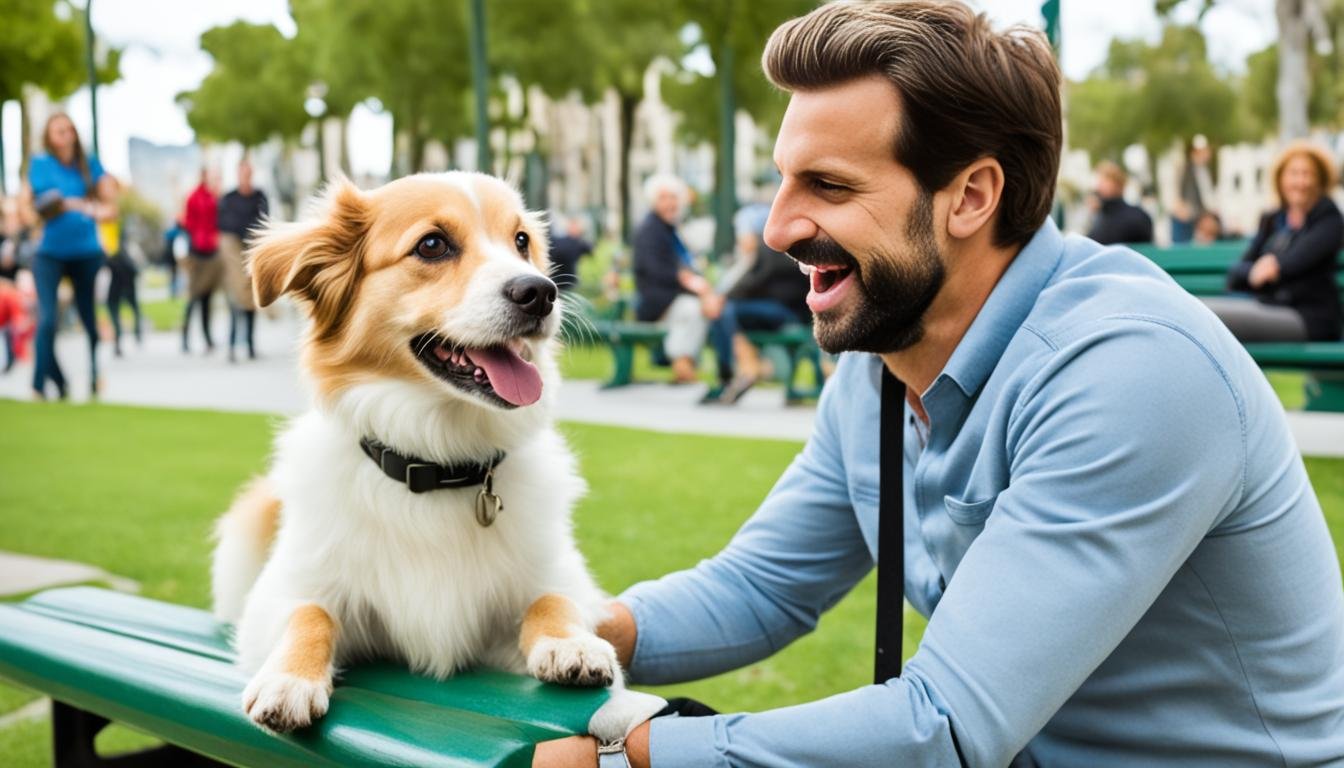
[434, 280]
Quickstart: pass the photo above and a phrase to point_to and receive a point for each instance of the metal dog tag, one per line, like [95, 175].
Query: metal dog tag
[488, 505]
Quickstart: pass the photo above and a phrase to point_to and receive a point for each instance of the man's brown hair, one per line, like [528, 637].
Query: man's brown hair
[966, 92]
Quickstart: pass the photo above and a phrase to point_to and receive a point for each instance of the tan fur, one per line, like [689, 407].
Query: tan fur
[256, 512]
[308, 644]
[353, 267]
[548, 616]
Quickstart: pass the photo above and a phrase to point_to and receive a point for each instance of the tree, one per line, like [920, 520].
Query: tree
[256, 89]
[647, 32]
[1295, 90]
[42, 44]
[1153, 95]
[733, 33]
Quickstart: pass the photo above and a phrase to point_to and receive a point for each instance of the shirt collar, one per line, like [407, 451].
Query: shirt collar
[1005, 310]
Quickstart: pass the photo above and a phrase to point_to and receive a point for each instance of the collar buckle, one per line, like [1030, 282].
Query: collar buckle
[421, 478]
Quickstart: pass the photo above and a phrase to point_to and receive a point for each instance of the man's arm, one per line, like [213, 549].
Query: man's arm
[796, 557]
[1117, 473]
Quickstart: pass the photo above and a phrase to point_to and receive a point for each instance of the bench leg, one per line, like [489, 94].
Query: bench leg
[623, 371]
[74, 730]
[1325, 391]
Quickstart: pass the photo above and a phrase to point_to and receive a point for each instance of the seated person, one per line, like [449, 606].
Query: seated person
[1290, 265]
[767, 293]
[1208, 228]
[668, 289]
[1116, 221]
[566, 250]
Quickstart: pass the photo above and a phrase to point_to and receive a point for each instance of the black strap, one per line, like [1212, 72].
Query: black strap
[891, 532]
[420, 475]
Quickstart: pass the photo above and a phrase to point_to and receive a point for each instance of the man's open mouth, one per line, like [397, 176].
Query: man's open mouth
[503, 374]
[826, 276]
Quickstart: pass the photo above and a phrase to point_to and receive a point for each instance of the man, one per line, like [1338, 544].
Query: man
[1106, 518]
[240, 211]
[1196, 193]
[566, 250]
[1116, 221]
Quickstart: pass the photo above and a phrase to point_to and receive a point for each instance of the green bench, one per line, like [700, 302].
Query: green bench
[167, 670]
[1202, 270]
[787, 349]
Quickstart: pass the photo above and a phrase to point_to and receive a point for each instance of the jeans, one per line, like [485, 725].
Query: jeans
[744, 315]
[47, 274]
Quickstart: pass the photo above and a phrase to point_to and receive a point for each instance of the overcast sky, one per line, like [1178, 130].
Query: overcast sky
[162, 57]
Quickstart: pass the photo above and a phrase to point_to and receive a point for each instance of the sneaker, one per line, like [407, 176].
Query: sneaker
[712, 397]
[735, 389]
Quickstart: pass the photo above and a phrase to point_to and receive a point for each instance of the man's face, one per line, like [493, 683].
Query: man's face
[846, 207]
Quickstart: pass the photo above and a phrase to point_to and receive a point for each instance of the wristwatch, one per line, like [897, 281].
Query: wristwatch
[611, 754]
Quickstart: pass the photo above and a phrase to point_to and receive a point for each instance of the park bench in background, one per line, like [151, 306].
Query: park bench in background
[167, 670]
[1202, 270]
[786, 349]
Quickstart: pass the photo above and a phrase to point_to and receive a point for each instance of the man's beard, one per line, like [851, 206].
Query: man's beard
[892, 293]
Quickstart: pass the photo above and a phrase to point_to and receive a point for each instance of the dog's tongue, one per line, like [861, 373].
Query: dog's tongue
[513, 378]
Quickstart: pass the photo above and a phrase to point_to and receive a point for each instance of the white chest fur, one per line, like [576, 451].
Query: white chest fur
[414, 576]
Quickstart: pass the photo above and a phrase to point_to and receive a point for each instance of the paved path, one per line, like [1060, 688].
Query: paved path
[21, 574]
[160, 375]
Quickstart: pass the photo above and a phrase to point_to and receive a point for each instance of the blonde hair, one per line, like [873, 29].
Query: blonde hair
[1320, 159]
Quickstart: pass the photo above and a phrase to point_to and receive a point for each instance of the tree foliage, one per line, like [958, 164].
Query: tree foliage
[42, 44]
[1153, 95]
[1325, 101]
[256, 89]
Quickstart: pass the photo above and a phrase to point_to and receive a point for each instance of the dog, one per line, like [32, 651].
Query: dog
[420, 511]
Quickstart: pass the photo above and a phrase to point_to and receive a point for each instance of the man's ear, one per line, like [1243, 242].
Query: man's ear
[976, 194]
[317, 259]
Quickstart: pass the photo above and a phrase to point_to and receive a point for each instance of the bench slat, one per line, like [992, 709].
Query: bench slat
[167, 670]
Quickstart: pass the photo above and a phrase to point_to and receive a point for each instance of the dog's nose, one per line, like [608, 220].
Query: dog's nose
[533, 295]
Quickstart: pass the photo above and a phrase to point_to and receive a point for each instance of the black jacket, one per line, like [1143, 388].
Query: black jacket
[1120, 222]
[1307, 268]
[775, 276]
[239, 213]
[656, 265]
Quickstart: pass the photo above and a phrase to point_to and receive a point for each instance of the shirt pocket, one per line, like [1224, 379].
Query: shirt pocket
[971, 513]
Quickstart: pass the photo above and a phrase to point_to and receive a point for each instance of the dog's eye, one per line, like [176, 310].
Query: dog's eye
[433, 247]
[521, 241]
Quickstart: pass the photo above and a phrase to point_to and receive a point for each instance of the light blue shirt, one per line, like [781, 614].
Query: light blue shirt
[70, 235]
[1109, 526]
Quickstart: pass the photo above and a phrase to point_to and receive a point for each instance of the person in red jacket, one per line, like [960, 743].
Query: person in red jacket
[205, 271]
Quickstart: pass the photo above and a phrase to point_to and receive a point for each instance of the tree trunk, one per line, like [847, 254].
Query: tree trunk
[4, 182]
[1294, 86]
[345, 147]
[627, 119]
[725, 198]
[25, 138]
[394, 167]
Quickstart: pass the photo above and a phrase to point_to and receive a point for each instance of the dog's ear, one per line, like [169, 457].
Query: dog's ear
[317, 260]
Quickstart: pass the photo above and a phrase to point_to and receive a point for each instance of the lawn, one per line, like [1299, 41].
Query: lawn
[149, 482]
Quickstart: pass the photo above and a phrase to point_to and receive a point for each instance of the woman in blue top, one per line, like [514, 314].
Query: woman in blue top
[68, 190]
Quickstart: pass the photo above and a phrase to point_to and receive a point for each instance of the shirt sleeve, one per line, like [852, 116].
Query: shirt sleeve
[96, 171]
[1314, 245]
[1116, 474]
[796, 557]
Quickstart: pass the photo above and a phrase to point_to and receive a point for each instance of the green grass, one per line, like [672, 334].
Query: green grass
[134, 491]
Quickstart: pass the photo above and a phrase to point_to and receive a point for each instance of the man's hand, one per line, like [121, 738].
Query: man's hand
[581, 751]
[1264, 271]
[619, 630]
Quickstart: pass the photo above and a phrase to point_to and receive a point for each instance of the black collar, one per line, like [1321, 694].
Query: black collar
[421, 476]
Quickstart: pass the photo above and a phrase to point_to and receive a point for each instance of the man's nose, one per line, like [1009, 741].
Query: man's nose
[533, 295]
[787, 224]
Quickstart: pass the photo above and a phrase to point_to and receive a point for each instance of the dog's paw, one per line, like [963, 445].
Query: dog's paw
[622, 712]
[282, 702]
[584, 659]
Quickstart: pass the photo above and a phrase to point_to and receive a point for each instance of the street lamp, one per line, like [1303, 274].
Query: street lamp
[317, 109]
